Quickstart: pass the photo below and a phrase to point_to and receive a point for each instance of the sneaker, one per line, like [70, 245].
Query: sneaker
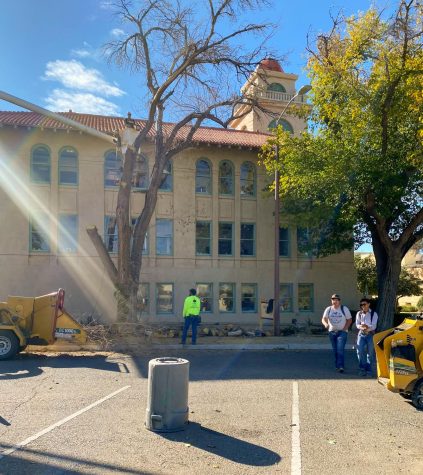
[362, 373]
[341, 370]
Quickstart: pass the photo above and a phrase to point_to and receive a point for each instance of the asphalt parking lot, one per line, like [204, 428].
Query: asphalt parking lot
[250, 412]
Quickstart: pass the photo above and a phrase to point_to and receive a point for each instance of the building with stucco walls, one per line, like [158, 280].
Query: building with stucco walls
[212, 228]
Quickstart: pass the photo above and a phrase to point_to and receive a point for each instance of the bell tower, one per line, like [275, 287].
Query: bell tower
[273, 89]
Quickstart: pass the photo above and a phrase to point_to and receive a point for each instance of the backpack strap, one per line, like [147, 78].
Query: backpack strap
[372, 312]
[342, 310]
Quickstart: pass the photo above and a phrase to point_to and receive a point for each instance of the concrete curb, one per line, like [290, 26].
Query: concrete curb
[250, 346]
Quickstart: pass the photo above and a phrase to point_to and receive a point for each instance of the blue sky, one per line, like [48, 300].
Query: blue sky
[50, 50]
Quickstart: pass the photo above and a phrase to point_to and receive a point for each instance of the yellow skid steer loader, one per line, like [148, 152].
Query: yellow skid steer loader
[399, 355]
[36, 321]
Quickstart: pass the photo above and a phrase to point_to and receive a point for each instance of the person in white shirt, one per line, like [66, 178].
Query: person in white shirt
[366, 321]
[337, 319]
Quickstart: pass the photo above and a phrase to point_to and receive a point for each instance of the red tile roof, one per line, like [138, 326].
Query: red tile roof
[108, 125]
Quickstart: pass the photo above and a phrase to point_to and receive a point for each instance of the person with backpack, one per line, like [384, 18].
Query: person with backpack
[366, 322]
[337, 319]
[191, 314]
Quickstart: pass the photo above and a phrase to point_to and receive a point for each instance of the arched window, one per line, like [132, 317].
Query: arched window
[276, 87]
[248, 179]
[112, 168]
[167, 183]
[140, 173]
[68, 166]
[226, 178]
[40, 164]
[203, 177]
[284, 123]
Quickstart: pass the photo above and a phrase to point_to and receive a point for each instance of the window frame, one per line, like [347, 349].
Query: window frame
[311, 286]
[276, 87]
[158, 312]
[32, 165]
[74, 239]
[74, 169]
[106, 170]
[171, 236]
[209, 223]
[233, 284]
[253, 239]
[209, 297]
[232, 178]
[42, 217]
[209, 190]
[290, 296]
[168, 171]
[254, 285]
[286, 125]
[287, 241]
[143, 160]
[246, 180]
[219, 239]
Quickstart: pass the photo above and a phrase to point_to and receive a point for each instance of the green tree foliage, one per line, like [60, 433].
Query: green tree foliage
[360, 166]
[408, 284]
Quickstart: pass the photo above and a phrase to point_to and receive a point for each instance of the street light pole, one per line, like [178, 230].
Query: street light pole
[276, 290]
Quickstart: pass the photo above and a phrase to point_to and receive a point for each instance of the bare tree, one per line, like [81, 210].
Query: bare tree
[189, 59]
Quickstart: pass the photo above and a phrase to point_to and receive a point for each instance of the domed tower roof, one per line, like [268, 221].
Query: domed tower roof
[270, 65]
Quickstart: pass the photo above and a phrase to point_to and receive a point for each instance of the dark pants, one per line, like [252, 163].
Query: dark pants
[338, 340]
[192, 320]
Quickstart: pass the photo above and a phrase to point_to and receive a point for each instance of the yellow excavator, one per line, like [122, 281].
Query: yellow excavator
[36, 321]
[399, 355]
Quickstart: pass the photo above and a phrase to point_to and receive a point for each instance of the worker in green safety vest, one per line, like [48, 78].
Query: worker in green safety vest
[191, 314]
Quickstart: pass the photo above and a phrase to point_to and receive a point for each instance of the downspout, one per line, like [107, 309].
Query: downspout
[59, 118]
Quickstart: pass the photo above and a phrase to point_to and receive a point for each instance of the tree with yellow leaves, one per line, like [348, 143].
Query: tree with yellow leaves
[360, 165]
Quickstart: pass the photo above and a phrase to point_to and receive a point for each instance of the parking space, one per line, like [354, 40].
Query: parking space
[242, 417]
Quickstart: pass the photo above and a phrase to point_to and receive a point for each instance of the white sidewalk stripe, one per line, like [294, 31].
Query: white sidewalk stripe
[60, 423]
[295, 434]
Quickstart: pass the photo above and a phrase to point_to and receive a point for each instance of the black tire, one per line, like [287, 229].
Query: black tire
[9, 344]
[417, 395]
[405, 395]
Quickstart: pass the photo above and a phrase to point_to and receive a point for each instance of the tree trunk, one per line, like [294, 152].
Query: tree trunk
[388, 273]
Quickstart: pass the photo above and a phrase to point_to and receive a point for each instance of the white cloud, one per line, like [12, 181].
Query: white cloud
[75, 75]
[106, 5]
[61, 101]
[81, 53]
[117, 32]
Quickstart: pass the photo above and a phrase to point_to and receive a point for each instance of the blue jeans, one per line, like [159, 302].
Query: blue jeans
[365, 352]
[338, 340]
[193, 321]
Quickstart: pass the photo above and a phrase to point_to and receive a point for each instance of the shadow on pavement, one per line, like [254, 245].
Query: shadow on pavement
[28, 365]
[256, 365]
[225, 446]
[48, 463]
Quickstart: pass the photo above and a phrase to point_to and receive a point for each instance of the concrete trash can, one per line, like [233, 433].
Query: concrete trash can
[167, 402]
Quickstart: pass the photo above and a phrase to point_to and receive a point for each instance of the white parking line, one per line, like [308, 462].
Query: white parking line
[58, 424]
[295, 434]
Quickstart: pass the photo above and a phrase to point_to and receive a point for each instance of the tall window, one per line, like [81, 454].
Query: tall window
[68, 166]
[305, 297]
[225, 239]
[40, 164]
[284, 123]
[205, 294]
[285, 297]
[249, 298]
[226, 298]
[203, 177]
[68, 233]
[143, 299]
[248, 179]
[164, 237]
[111, 233]
[304, 242]
[39, 232]
[167, 182]
[226, 178]
[284, 247]
[203, 238]
[140, 173]
[112, 168]
[276, 87]
[164, 298]
[248, 240]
